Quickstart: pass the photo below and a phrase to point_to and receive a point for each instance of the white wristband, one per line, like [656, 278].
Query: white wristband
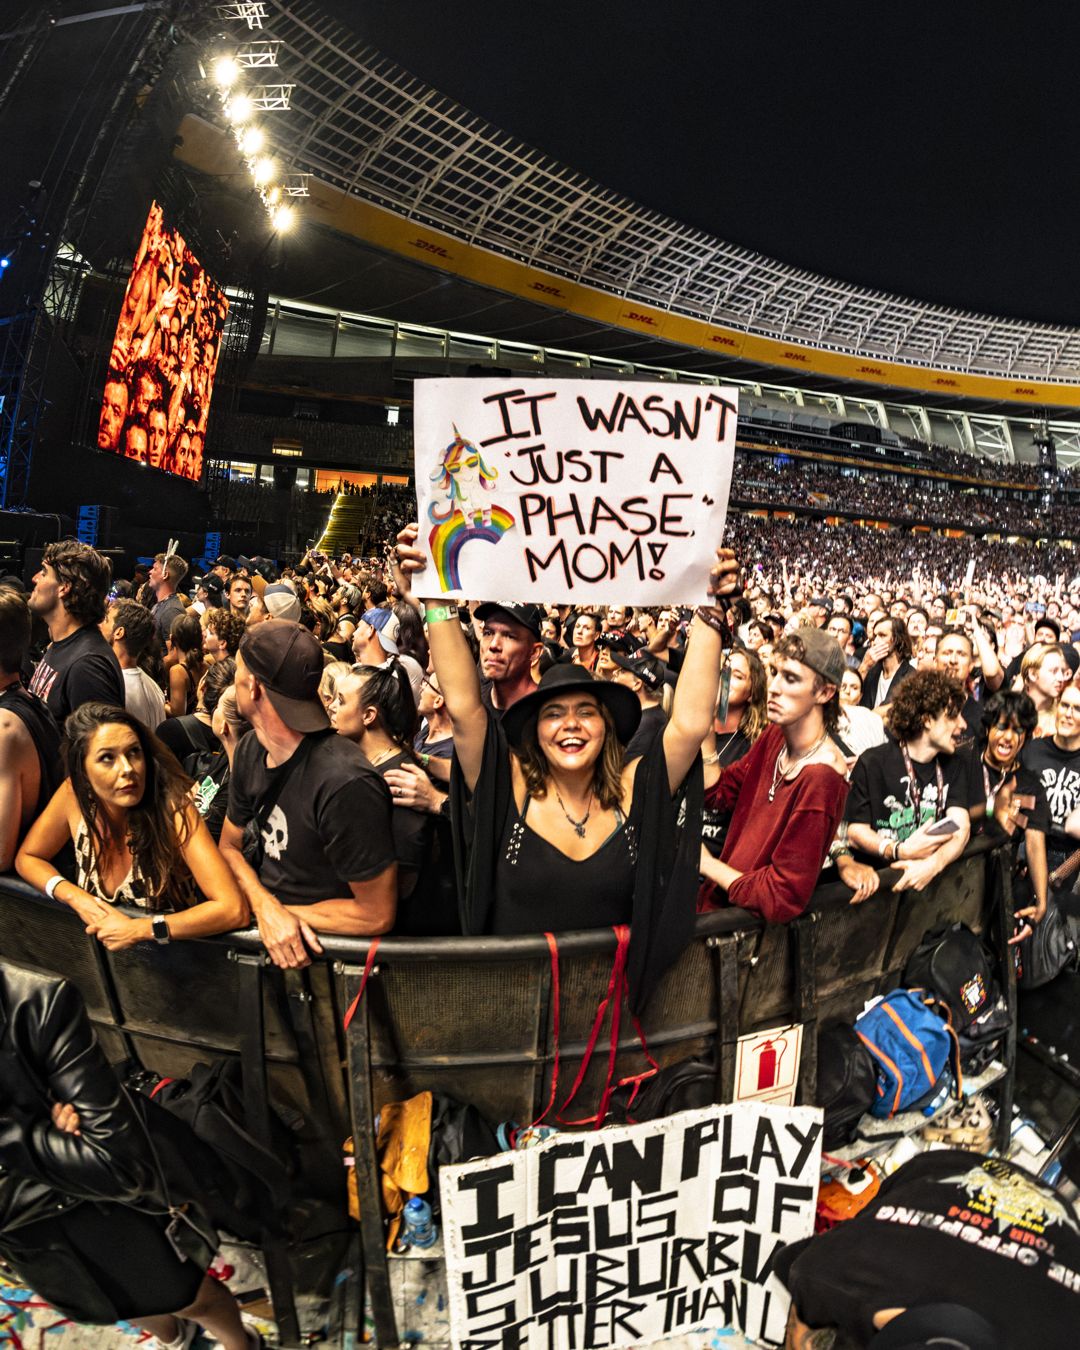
[52, 884]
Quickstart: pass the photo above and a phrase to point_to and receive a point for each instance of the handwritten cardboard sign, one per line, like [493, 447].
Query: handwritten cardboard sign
[572, 490]
[626, 1236]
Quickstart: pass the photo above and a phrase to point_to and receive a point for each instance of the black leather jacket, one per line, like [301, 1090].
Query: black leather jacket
[49, 1053]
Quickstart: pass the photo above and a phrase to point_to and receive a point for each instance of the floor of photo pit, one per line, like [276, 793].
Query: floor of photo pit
[28, 1323]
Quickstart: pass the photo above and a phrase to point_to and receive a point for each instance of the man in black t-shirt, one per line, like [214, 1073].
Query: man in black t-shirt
[322, 812]
[909, 800]
[30, 770]
[643, 673]
[949, 1239]
[78, 666]
[1055, 760]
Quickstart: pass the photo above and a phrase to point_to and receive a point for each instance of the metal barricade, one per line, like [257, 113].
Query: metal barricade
[473, 1018]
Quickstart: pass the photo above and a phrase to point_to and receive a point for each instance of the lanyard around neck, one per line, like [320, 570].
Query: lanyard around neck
[915, 792]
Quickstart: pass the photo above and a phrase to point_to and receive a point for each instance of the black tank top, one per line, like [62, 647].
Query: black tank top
[43, 731]
[538, 889]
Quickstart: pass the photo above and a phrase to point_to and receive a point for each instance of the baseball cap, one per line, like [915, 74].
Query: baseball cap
[386, 625]
[529, 616]
[821, 652]
[647, 668]
[213, 585]
[288, 662]
[223, 560]
[281, 602]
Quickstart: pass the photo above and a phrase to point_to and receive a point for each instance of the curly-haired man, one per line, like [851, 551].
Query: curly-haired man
[78, 666]
[909, 799]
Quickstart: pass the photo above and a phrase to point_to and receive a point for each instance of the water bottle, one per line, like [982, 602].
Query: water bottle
[417, 1227]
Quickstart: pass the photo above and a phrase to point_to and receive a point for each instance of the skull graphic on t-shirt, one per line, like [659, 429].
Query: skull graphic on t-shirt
[276, 835]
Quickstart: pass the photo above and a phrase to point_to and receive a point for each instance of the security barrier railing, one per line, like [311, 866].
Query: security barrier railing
[473, 1018]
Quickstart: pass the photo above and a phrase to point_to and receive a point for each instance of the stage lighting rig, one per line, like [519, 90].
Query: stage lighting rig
[251, 12]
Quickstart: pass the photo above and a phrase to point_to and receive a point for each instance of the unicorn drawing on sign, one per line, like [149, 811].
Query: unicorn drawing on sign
[462, 508]
[464, 477]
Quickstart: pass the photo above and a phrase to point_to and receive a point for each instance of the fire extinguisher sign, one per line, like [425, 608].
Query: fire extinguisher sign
[767, 1065]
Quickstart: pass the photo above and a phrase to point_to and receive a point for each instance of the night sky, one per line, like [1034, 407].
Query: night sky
[931, 150]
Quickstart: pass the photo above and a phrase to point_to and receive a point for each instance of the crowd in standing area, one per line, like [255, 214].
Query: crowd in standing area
[334, 748]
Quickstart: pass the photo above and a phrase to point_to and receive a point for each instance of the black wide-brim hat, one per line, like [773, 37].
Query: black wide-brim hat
[621, 702]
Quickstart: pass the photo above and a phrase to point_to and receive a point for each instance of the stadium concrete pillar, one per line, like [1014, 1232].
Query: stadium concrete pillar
[1006, 432]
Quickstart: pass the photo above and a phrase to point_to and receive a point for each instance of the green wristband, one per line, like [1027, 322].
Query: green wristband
[438, 614]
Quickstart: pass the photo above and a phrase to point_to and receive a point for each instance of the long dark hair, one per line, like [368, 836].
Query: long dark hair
[387, 689]
[154, 839]
[412, 640]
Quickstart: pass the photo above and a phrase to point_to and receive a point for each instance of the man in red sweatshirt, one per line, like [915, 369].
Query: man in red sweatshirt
[787, 794]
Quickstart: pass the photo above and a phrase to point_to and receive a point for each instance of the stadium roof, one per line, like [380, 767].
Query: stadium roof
[360, 123]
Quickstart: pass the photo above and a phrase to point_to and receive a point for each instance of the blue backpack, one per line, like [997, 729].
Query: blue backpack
[911, 1046]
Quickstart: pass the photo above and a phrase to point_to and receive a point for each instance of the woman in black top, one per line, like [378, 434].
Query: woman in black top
[558, 833]
[373, 707]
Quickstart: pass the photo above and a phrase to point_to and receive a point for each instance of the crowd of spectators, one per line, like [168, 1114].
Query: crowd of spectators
[310, 748]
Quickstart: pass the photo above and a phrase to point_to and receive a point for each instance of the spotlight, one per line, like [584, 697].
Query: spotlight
[262, 170]
[5, 263]
[282, 219]
[226, 72]
[239, 109]
[273, 196]
[252, 140]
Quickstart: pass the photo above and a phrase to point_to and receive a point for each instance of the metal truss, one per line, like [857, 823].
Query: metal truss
[360, 121]
[271, 97]
[253, 14]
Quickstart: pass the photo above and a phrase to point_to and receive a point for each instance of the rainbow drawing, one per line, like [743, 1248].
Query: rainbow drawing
[449, 537]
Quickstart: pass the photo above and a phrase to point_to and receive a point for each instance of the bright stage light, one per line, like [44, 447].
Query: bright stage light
[273, 196]
[262, 170]
[226, 72]
[282, 219]
[252, 140]
[239, 109]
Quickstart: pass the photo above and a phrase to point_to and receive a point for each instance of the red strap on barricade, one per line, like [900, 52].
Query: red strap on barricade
[553, 948]
[161, 1083]
[372, 949]
[615, 991]
[638, 1078]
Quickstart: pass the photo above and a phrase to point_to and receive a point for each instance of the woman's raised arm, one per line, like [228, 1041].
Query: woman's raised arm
[695, 693]
[452, 658]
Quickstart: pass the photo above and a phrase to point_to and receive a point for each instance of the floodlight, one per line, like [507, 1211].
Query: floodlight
[252, 140]
[262, 170]
[226, 72]
[239, 109]
[282, 218]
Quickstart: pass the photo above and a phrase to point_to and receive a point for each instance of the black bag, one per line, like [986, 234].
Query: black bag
[677, 1087]
[1051, 948]
[211, 1103]
[458, 1132]
[847, 1083]
[955, 966]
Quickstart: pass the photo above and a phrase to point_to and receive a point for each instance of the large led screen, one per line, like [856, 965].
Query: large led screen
[164, 355]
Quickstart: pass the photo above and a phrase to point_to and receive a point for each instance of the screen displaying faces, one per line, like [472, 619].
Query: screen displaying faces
[164, 355]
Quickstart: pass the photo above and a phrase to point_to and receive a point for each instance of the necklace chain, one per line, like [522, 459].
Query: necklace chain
[789, 763]
[579, 825]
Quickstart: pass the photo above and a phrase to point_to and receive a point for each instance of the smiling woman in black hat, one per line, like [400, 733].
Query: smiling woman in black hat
[554, 830]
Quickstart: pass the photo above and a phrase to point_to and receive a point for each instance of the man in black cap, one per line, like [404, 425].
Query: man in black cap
[642, 673]
[223, 566]
[308, 833]
[509, 645]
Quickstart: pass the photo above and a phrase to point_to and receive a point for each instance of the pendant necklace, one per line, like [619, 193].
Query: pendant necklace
[779, 773]
[579, 825]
